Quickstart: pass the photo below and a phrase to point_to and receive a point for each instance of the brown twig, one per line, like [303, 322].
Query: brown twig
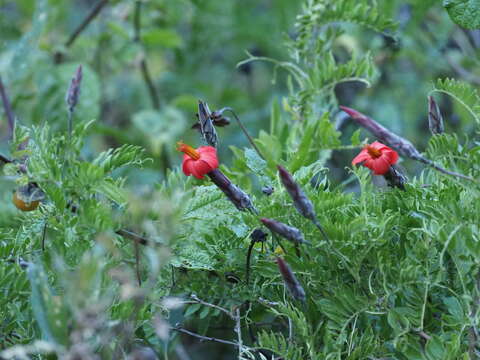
[8, 112]
[245, 131]
[207, 338]
[199, 301]
[149, 82]
[91, 15]
[137, 262]
[247, 265]
[132, 236]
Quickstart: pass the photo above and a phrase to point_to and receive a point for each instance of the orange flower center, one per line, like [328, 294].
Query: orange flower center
[374, 153]
[187, 149]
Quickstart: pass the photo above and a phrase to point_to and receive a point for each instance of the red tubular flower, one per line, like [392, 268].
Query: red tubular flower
[377, 157]
[198, 162]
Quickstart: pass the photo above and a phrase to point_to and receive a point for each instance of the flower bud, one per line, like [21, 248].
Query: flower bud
[288, 232]
[435, 118]
[300, 200]
[384, 135]
[290, 281]
[74, 89]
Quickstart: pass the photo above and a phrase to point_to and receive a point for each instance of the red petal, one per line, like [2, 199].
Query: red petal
[195, 171]
[390, 155]
[200, 168]
[380, 166]
[378, 145]
[187, 166]
[207, 149]
[211, 159]
[361, 157]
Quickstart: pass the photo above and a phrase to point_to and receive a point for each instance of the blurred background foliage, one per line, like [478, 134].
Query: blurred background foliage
[191, 48]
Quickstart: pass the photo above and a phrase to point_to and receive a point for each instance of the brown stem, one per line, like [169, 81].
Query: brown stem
[91, 15]
[247, 265]
[137, 263]
[147, 78]
[8, 112]
[244, 129]
[206, 338]
[445, 171]
[132, 236]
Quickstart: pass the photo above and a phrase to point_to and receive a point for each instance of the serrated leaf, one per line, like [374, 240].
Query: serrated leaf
[465, 13]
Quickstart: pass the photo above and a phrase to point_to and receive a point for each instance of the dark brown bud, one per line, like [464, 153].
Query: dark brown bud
[387, 137]
[435, 118]
[288, 232]
[300, 200]
[73, 92]
[236, 195]
[290, 281]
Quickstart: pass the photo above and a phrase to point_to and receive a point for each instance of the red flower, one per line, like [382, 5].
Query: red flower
[198, 162]
[377, 157]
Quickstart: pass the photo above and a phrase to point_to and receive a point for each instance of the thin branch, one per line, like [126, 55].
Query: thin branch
[137, 262]
[149, 82]
[250, 139]
[8, 112]
[199, 301]
[249, 255]
[132, 236]
[91, 15]
[205, 338]
[423, 335]
[268, 302]
[445, 171]
[44, 234]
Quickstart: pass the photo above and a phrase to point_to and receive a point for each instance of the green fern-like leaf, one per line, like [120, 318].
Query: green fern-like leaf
[462, 92]
[277, 343]
[318, 13]
[115, 158]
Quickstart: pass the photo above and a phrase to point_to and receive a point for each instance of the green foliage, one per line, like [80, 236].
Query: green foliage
[123, 250]
[464, 13]
[462, 92]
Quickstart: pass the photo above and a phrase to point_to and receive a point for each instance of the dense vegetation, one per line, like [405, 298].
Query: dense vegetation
[127, 257]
